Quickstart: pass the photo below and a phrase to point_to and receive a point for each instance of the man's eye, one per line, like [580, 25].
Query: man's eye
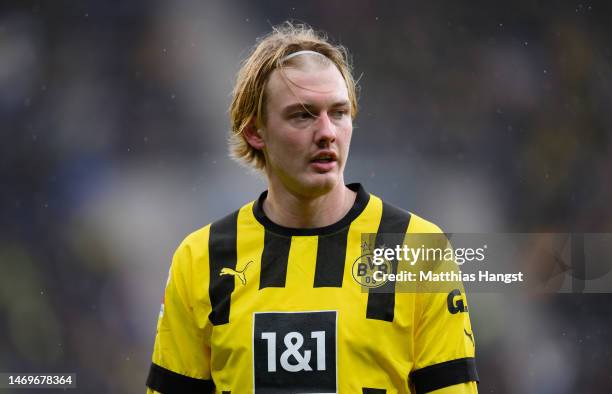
[340, 113]
[301, 115]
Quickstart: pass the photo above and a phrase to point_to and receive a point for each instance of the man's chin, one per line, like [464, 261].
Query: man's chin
[310, 184]
[320, 184]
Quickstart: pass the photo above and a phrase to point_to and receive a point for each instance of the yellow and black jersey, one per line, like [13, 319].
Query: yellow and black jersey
[254, 307]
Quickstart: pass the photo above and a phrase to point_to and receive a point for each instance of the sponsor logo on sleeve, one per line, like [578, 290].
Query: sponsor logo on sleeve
[456, 302]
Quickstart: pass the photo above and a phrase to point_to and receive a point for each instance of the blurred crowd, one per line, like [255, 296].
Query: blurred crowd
[482, 118]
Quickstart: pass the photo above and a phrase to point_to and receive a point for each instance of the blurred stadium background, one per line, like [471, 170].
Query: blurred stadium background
[482, 117]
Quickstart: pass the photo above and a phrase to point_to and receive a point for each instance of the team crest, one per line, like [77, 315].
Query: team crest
[368, 274]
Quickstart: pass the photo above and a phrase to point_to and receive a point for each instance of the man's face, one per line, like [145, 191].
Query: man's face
[308, 129]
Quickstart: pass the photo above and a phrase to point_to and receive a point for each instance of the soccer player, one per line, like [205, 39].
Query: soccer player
[264, 300]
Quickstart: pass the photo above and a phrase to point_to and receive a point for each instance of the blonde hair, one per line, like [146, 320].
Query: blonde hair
[270, 53]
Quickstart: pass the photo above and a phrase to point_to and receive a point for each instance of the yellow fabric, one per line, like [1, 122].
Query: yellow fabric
[370, 353]
[439, 335]
[182, 343]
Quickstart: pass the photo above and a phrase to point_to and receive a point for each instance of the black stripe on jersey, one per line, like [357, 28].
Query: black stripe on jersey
[367, 390]
[393, 225]
[445, 374]
[331, 254]
[165, 381]
[274, 260]
[222, 254]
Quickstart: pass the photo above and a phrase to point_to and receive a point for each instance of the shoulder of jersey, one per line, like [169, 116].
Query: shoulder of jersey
[420, 225]
[417, 223]
[199, 237]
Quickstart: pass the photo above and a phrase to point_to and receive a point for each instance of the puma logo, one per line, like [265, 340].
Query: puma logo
[469, 335]
[239, 274]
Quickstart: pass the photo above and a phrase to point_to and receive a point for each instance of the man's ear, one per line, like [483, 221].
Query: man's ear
[253, 135]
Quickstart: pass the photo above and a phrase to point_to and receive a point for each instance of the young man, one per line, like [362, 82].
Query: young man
[264, 300]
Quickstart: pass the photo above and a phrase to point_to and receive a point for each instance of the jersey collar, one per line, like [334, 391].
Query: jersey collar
[360, 203]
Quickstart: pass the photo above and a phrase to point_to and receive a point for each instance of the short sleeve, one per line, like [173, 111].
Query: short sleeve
[444, 344]
[181, 355]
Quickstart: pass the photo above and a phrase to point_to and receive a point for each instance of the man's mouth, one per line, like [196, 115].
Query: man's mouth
[324, 157]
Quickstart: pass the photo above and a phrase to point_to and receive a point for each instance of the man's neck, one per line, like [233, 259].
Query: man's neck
[290, 210]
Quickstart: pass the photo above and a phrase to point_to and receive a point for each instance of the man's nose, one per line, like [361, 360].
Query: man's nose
[326, 130]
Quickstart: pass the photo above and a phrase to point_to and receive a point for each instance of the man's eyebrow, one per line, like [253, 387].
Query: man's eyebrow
[311, 107]
[297, 106]
[341, 103]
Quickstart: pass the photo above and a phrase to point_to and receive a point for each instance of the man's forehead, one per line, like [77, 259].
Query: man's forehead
[299, 85]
